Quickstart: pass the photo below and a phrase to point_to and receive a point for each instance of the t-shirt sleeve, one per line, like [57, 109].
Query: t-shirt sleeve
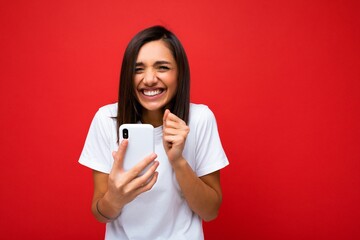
[210, 155]
[97, 152]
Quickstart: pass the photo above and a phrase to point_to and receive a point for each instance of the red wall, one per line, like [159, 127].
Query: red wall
[281, 76]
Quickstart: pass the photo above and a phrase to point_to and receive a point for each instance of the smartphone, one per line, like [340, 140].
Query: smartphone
[141, 143]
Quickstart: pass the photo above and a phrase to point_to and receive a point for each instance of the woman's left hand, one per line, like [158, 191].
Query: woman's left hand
[175, 132]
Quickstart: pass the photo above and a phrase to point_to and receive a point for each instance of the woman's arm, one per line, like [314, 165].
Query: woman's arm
[100, 188]
[202, 194]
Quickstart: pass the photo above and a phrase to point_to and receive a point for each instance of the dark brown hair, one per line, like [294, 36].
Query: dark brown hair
[129, 109]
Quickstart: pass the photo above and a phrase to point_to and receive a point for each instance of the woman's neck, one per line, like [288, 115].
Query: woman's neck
[154, 118]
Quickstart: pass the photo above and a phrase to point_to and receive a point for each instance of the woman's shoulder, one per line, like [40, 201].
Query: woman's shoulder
[200, 113]
[198, 108]
[109, 110]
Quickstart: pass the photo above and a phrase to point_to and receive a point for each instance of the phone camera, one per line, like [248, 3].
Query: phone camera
[125, 133]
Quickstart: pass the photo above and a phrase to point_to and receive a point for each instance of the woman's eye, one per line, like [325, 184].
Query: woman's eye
[139, 70]
[163, 68]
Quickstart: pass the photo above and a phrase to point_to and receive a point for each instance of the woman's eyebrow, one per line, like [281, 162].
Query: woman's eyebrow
[157, 63]
[161, 62]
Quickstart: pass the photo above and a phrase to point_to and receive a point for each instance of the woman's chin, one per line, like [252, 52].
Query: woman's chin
[152, 107]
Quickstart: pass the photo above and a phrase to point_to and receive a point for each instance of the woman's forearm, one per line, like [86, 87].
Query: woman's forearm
[203, 195]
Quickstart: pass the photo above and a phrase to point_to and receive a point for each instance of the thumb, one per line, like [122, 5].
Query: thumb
[166, 113]
[119, 155]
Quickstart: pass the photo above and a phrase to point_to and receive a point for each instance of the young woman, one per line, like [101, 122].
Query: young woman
[182, 186]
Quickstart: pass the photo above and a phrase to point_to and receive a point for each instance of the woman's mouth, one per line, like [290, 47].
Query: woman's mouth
[153, 92]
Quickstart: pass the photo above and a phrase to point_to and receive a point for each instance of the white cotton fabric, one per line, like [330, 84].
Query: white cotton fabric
[162, 212]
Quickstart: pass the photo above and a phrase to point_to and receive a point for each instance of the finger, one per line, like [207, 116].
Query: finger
[150, 183]
[173, 128]
[172, 121]
[145, 178]
[174, 139]
[134, 172]
[176, 132]
[174, 125]
[139, 167]
[119, 155]
[168, 138]
[170, 131]
[166, 113]
[172, 117]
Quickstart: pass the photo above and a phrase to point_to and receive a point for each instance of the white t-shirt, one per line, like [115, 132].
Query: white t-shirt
[162, 212]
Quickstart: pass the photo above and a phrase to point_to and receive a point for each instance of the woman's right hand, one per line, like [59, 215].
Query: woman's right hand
[124, 186]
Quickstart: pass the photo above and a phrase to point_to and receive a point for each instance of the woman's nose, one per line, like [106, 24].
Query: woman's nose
[150, 78]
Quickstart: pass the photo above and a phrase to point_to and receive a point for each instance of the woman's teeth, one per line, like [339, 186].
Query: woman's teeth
[152, 92]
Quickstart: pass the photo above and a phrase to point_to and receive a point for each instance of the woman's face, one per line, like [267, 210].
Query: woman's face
[156, 73]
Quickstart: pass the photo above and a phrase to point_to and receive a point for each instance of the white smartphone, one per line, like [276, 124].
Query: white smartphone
[141, 143]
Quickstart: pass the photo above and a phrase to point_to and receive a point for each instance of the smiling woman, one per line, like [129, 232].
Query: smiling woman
[155, 80]
[181, 186]
[167, 49]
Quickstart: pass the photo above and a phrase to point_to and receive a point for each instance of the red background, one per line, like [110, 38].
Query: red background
[281, 76]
